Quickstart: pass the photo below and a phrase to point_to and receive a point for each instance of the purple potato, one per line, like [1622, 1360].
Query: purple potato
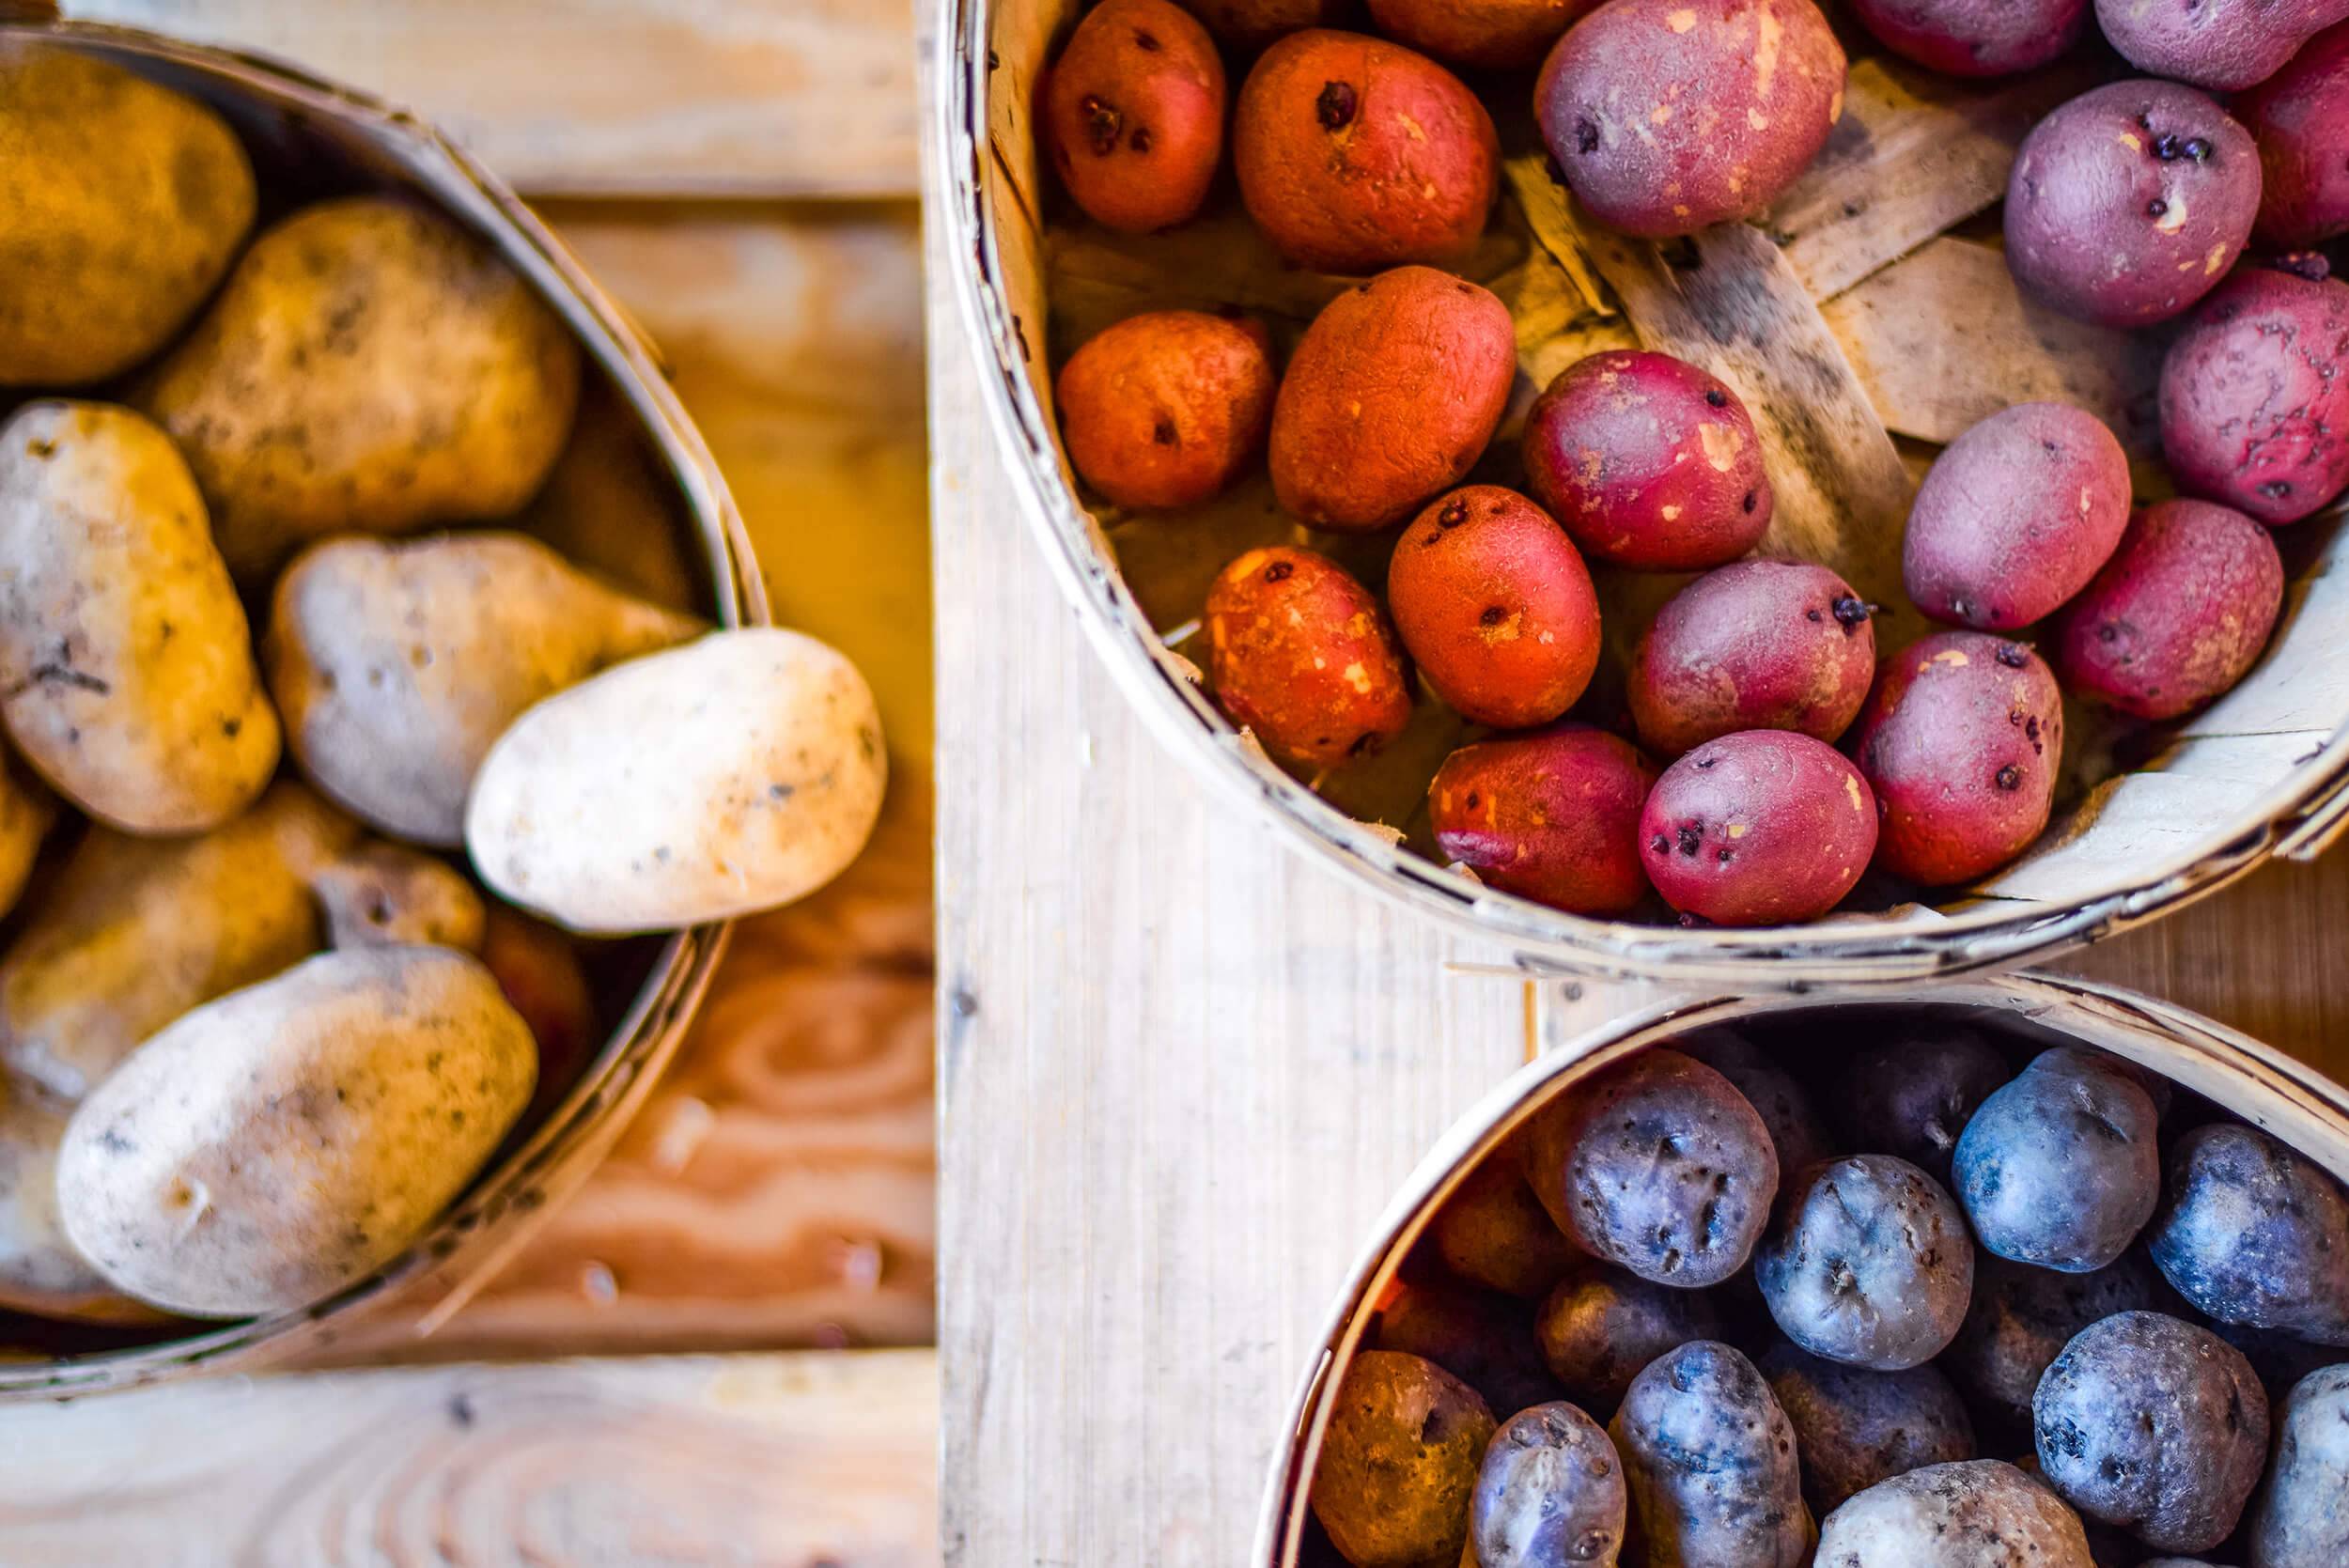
[1797, 1133]
[2060, 1167]
[1979, 1513]
[1867, 1261]
[2022, 1317]
[1602, 1326]
[1912, 1095]
[1709, 1459]
[2253, 1233]
[1855, 1427]
[1549, 1493]
[2302, 1519]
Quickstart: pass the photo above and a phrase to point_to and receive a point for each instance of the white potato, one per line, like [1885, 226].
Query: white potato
[1974, 1514]
[40, 1270]
[390, 895]
[735, 773]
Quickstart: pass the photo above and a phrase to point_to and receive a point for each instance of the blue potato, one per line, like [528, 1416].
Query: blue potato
[2059, 1168]
[1549, 1494]
[2023, 1316]
[1602, 1326]
[1867, 1261]
[2302, 1520]
[1798, 1134]
[2253, 1232]
[1912, 1096]
[1855, 1427]
[1974, 1514]
[1709, 1459]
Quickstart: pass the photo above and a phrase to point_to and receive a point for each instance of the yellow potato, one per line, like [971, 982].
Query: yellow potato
[127, 676]
[137, 931]
[368, 365]
[396, 664]
[120, 206]
[388, 895]
[40, 1270]
[27, 814]
[286, 1140]
[734, 773]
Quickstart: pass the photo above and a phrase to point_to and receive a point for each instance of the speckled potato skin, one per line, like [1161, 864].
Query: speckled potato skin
[2250, 1231]
[2150, 1423]
[28, 811]
[126, 677]
[120, 205]
[2022, 1317]
[40, 1270]
[1866, 1261]
[1669, 115]
[2015, 515]
[1300, 654]
[1483, 1339]
[1132, 114]
[276, 1145]
[726, 775]
[2301, 1519]
[389, 895]
[1969, 38]
[1648, 462]
[1553, 817]
[1602, 1326]
[2128, 203]
[1855, 1427]
[1391, 395]
[2255, 393]
[1760, 827]
[1912, 1095]
[1961, 741]
[1709, 1459]
[1796, 1132]
[1978, 1514]
[1398, 1462]
[1492, 35]
[1166, 409]
[397, 665]
[2300, 118]
[1494, 1232]
[2219, 44]
[2178, 615]
[368, 367]
[2059, 1168]
[1355, 154]
[1495, 607]
[1657, 1165]
[1247, 26]
[1549, 1492]
[1753, 646]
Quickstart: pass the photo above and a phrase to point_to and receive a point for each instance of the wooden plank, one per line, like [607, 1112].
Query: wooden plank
[605, 97]
[793, 1460]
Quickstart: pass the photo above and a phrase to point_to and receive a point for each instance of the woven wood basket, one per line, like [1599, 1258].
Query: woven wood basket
[1866, 319]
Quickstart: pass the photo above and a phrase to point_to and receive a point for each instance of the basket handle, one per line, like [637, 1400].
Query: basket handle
[2320, 824]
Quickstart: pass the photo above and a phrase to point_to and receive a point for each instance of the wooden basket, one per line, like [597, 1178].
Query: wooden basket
[330, 139]
[2267, 1088]
[1862, 333]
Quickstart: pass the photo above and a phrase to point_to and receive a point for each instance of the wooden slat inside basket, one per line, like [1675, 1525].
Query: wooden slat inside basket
[1861, 332]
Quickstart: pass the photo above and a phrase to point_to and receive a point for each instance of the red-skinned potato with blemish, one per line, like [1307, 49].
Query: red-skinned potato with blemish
[1553, 817]
[1492, 35]
[1299, 653]
[1165, 409]
[2255, 394]
[1760, 827]
[2300, 118]
[1753, 646]
[1133, 115]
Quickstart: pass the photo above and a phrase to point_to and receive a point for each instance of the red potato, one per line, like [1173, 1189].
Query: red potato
[1247, 26]
[2128, 203]
[1495, 607]
[1976, 37]
[2255, 395]
[1761, 828]
[1299, 653]
[2219, 44]
[2015, 515]
[1133, 115]
[1165, 409]
[1552, 817]
[1392, 394]
[2178, 614]
[1354, 154]
[1961, 741]
[1648, 462]
[1755, 645]
[2300, 118]
[1668, 116]
[1492, 35]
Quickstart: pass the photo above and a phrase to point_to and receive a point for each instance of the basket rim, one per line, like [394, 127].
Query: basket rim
[502, 1206]
[2298, 814]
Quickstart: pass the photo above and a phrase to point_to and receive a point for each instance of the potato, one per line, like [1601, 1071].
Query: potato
[1549, 1492]
[40, 1270]
[2015, 515]
[1495, 607]
[1392, 394]
[537, 969]
[1668, 116]
[27, 814]
[2251, 1231]
[2058, 1169]
[1166, 409]
[1753, 646]
[1492, 1231]
[1961, 741]
[120, 205]
[138, 931]
[1493, 35]
[397, 663]
[2218, 44]
[127, 676]
[1913, 1094]
[731, 774]
[2300, 118]
[1969, 38]
[2302, 1517]
[1552, 817]
[1866, 1261]
[1484, 1339]
[1796, 1132]
[2178, 615]
[1602, 1326]
[2255, 395]
[273, 1146]
[1648, 462]
[1977, 1513]
[369, 367]
[1854, 1427]
[2022, 1316]
[1247, 26]
[1299, 653]
[388, 895]
[1709, 1459]
[2126, 204]
[1355, 154]
[1132, 114]
[1398, 1462]
[1760, 827]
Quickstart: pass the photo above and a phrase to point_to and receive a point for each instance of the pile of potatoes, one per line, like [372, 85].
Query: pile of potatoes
[303, 798]
[1922, 1295]
[1745, 755]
